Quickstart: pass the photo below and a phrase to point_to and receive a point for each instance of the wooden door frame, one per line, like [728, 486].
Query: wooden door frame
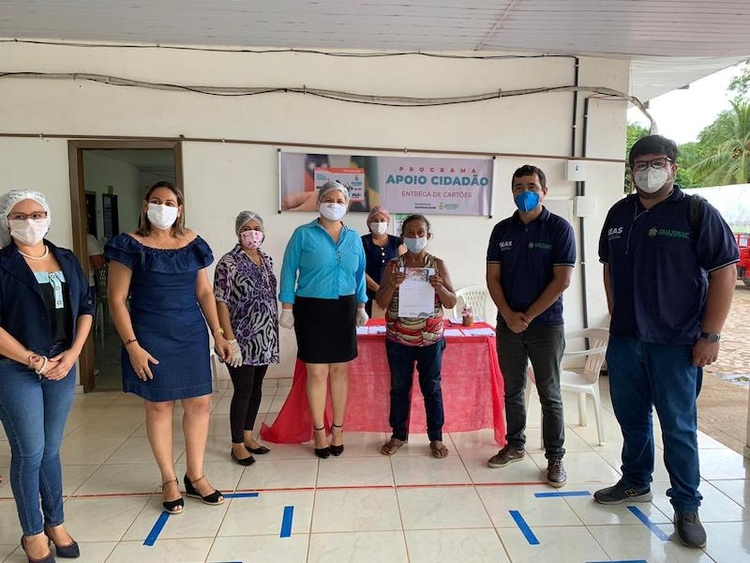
[78, 214]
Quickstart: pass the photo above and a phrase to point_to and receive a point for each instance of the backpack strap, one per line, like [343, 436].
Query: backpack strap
[695, 207]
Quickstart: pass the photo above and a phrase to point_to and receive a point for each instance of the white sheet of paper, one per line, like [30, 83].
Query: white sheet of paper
[362, 330]
[416, 297]
[483, 331]
[453, 332]
[377, 330]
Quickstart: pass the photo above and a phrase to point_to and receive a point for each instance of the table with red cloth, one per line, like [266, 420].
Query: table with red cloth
[471, 381]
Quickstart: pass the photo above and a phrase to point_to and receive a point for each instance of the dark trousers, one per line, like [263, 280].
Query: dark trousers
[248, 384]
[429, 360]
[544, 347]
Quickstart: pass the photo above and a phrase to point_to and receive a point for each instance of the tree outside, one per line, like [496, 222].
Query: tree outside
[721, 155]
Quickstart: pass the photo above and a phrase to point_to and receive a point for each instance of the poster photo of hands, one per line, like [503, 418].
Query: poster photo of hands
[402, 184]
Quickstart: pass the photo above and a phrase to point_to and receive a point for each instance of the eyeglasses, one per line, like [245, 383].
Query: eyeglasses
[35, 216]
[658, 163]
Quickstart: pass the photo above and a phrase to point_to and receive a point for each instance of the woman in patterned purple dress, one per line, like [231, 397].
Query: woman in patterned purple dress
[245, 291]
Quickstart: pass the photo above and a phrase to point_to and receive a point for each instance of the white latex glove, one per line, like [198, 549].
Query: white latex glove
[287, 318]
[362, 317]
[236, 358]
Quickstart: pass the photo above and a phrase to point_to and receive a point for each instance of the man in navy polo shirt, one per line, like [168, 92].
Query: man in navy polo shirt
[530, 259]
[669, 275]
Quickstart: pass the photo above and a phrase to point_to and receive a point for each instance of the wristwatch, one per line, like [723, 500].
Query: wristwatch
[711, 336]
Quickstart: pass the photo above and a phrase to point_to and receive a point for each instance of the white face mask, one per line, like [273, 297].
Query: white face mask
[332, 211]
[379, 228]
[415, 245]
[651, 180]
[161, 216]
[28, 231]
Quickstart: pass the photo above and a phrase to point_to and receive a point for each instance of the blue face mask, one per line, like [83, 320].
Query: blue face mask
[526, 201]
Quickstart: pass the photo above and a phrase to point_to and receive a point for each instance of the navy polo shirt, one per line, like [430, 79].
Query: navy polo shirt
[658, 272]
[527, 253]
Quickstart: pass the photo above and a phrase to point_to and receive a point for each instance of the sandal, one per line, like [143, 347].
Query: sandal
[439, 451]
[214, 498]
[173, 506]
[392, 446]
[336, 450]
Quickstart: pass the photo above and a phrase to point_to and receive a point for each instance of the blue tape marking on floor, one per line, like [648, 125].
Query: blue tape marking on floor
[524, 527]
[649, 524]
[239, 495]
[563, 494]
[286, 522]
[156, 530]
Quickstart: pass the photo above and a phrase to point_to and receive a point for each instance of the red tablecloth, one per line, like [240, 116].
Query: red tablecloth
[472, 392]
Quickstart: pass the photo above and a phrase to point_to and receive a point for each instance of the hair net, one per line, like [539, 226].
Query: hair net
[243, 218]
[8, 201]
[378, 210]
[328, 186]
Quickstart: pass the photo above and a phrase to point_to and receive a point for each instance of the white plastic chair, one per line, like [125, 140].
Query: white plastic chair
[582, 380]
[475, 296]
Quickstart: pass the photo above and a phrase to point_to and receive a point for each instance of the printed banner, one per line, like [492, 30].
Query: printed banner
[403, 184]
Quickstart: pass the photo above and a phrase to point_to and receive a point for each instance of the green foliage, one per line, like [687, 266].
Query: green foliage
[724, 148]
[635, 132]
[741, 84]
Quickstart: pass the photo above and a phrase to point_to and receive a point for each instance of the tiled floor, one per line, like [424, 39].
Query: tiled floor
[364, 507]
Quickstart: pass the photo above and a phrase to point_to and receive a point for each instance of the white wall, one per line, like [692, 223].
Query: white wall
[100, 172]
[222, 179]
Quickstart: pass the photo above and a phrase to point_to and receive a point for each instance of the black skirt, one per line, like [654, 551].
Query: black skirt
[325, 329]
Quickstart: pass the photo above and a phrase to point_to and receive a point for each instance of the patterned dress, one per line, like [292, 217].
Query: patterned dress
[249, 292]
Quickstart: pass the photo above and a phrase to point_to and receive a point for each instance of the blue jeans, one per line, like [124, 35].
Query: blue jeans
[33, 412]
[429, 361]
[643, 376]
[544, 347]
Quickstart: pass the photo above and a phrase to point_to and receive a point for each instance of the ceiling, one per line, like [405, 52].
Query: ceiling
[670, 42]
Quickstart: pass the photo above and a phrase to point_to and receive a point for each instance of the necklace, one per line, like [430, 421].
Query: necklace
[30, 257]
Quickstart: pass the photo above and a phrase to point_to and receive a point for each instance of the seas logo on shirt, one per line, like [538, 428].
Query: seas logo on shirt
[614, 233]
[504, 245]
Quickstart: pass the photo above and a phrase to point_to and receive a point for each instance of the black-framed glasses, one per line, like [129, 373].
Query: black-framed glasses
[35, 216]
[658, 163]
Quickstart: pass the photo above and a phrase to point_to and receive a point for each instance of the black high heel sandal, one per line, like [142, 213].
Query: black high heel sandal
[171, 506]
[322, 453]
[49, 558]
[214, 498]
[337, 450]
[70, 551]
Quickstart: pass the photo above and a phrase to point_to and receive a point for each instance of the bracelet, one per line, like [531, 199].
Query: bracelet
[219, 330]
[129, 342]
[40, 371]
[33, 358]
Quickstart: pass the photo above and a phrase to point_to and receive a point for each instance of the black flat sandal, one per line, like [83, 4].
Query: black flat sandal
[214, 498]
[171, 506]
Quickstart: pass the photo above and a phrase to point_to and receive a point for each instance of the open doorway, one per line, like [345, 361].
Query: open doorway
[107, 183]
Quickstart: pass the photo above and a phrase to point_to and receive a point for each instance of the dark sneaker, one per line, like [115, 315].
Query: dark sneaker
[689, 529]
[556, 475]
[507, 455]
[620, 493]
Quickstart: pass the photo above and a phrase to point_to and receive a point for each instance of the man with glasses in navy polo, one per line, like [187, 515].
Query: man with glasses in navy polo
[669, 275]
[530, 259]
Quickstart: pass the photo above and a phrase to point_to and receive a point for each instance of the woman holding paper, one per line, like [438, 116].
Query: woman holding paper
[322, 294]
[414, 334]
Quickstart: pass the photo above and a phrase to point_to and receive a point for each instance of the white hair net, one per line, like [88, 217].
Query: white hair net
[8, 201]
[243, 218]
[328, 186]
